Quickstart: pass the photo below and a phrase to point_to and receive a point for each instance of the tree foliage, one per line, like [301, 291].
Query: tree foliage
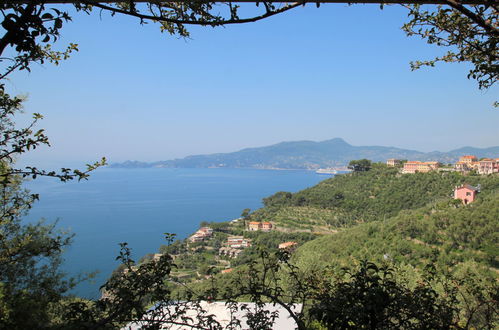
[30, 256]
[361, 165]
[471, 33]
[366, 296]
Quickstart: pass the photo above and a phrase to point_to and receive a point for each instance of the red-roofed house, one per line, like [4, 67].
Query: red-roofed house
[468, 159]
[266, 226]
[254, 226]
[263, 226]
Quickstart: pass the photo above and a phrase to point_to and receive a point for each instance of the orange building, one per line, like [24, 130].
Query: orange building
[263, 226]
[421, 167]
[254, 226]
[468, 159]
[466, 163]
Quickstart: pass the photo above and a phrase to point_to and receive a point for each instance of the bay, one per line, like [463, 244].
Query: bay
[138, 206]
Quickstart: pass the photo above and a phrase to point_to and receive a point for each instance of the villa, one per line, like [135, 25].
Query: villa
[263, 226]
[420, 167]
[466, 193]
[254, 226]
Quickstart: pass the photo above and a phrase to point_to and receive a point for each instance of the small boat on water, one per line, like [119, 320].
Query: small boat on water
[329, 171]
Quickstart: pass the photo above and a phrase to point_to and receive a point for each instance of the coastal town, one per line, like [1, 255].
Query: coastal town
[466, 164]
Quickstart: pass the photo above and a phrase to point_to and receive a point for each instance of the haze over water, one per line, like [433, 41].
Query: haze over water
[139, 205]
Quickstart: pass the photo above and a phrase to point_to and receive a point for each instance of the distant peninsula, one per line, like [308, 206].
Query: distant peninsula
[308, 155]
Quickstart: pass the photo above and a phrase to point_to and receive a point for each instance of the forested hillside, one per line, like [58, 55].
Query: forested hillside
[353, 198]
[446, 233]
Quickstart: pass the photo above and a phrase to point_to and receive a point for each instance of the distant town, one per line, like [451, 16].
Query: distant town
[466, 164]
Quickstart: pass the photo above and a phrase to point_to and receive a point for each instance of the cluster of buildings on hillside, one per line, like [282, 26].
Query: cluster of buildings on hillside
[202, 234]
[465, 164]
[234, 246]
[482, 166]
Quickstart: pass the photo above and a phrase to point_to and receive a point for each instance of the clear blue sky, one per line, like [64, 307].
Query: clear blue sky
[310, 74]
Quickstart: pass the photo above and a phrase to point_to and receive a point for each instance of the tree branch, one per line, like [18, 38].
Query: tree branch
[194, 22]
[474, 17]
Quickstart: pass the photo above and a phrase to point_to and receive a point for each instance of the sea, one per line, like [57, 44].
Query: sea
[138, 206]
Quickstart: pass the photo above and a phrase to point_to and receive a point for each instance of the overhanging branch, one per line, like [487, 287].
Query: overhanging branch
[198, 22]
[457, 5]
[402, 2]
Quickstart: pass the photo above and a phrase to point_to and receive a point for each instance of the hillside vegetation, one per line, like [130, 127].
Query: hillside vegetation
[380, 216]
[445, 233]
[353, 198]
[410, 225]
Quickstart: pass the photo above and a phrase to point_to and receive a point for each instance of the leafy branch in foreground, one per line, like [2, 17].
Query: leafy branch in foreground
[31, 28]
[15, 141]
[470, 32]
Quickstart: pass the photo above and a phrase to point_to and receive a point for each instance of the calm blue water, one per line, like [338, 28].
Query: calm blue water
[139, 205]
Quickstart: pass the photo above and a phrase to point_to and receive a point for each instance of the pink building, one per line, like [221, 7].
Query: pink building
[488, 166]
[466, 193]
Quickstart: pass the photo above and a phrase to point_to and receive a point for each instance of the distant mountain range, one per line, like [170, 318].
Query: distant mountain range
[308, 155]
